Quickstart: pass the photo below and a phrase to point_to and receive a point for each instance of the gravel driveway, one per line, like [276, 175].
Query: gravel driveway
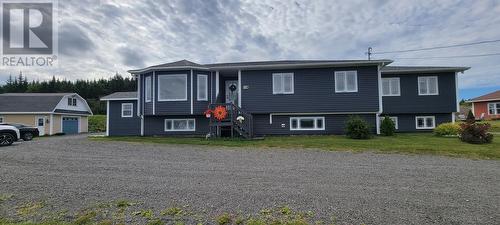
[356, 188]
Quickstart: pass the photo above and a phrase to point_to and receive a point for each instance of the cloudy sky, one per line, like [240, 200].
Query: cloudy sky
[99, 38]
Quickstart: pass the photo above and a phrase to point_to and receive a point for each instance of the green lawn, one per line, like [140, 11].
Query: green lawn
[401, 143]
[495, 125]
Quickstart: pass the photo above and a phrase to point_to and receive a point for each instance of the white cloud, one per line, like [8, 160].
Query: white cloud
[99, 38]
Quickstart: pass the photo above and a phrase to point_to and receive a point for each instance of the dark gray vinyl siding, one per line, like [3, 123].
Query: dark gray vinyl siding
[200, 106]
[174, 107]
[155, 125]
[334, 124]
[118, 126]
[406, 122]
[314, 91]
[411, 102]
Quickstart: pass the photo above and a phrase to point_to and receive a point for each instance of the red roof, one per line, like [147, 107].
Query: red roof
[491, 96]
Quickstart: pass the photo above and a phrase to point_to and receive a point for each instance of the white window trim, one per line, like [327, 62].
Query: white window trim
[131, 109]
[198, 87]
[146, 91]
[187, 120]
[315, 118]
[282, 83]
[427, 83]
[425, 126]
[394, 119]
[172, 100]
[494, 108]
[345, 81]
[390, 86]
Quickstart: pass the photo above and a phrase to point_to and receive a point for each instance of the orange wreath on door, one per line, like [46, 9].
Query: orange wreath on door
[220, 112]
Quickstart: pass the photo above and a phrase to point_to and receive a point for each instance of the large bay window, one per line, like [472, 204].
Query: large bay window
[172, 87]
[202, 87]
[147, 89]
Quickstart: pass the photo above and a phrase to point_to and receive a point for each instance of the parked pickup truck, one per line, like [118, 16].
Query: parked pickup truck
[8, 135]
[27, 132]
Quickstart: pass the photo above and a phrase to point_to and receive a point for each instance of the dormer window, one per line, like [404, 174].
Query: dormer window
[72, 101]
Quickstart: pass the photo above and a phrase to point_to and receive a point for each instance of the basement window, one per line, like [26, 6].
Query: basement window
[180, 125]
[425, 122]
[394, 120]
[307, 123]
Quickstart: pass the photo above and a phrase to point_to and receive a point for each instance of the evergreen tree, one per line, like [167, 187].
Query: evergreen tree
[91, 90]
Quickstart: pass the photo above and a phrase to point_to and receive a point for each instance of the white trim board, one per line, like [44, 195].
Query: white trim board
[239, 88]
[107, 118]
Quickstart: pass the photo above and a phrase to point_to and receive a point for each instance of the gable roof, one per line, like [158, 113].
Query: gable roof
[420, 69]
[32, 102]
[130, 95]
[493, 96]
[185, 64]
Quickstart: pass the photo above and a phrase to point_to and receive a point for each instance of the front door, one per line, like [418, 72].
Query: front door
[232, 91]
[40, 124]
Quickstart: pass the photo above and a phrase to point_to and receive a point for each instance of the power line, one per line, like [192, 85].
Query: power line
[438, 47]
[452, 56]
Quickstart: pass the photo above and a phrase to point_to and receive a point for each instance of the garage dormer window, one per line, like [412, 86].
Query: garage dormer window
[72, 101]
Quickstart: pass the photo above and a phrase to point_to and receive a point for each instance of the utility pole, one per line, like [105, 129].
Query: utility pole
[369, 53]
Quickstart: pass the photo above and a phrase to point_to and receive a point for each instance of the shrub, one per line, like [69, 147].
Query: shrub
[475, 133]
[446, 129]
[470, 117]
[97, 123]
[387, 127]
[357, 128]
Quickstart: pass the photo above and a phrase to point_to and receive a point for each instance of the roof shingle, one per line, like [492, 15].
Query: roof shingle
[30, 102]
[491, 96]
[120, 95]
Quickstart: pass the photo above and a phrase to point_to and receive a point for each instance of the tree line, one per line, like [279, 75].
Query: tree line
[91, 90]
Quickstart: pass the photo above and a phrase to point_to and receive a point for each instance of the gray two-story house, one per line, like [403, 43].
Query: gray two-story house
[281, 98]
